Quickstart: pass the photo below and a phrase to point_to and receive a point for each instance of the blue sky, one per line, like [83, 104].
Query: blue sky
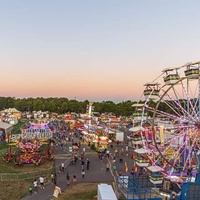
[95, 50]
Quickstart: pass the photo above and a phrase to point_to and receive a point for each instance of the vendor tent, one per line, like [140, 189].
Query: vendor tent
[11, 110]
[6, 127]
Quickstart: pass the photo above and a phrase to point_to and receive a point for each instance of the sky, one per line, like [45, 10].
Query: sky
[93, 50]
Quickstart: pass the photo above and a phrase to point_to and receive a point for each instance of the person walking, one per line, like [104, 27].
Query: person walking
[52, 178]
[55, 178]
[126, 148]
[68, 179]
[88, 164]
[114, 168]
[116, 153]
[122, 152]
[114, 159]
[107, 167]
[74, 179]
[62, 167]
[82, 164]
[132, 172]
[83, 173]
[41, 179]
[107, 153]
[35, 186]
[30, 190]
[120, 173]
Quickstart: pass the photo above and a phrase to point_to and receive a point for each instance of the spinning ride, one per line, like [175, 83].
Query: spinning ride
[30, 142]
[29, 152]
[171, 120]
[39, 131]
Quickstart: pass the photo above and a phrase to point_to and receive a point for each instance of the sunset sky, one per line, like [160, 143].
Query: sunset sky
[95, 50]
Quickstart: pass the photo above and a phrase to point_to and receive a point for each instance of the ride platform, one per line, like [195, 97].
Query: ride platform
[137, 187]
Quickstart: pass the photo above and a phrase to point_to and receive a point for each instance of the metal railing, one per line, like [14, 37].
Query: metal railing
[25, 175]
[31, 175]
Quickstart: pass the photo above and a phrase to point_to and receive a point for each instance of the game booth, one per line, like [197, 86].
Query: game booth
[101, 142]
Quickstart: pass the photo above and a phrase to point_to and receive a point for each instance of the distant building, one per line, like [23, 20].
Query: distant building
[5, 131]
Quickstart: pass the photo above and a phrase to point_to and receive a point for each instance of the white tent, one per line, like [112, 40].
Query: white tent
[7, 127]
[136, 129]
[11, 110]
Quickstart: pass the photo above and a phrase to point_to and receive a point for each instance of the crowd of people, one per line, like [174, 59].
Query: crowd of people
[34, 187]
[65, 138]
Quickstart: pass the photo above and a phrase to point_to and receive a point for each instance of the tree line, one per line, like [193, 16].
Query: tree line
[64, 105]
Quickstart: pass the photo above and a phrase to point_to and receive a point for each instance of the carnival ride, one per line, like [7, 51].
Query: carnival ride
[9, 154]
[169, 137]
[29, 150]
[29, 145]
[89, 109]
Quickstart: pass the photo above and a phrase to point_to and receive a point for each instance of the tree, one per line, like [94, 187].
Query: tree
[64, 107]
[38, 105]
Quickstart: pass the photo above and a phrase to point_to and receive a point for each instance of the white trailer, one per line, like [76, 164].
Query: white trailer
[119, 136]
[106, 192]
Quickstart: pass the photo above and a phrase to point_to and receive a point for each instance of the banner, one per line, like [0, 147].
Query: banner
[57, 191]
[162, 139]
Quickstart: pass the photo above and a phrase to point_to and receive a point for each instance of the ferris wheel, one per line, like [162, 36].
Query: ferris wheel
[170, 117]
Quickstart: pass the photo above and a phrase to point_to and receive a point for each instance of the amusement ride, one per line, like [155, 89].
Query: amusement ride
[29, 144]
[166, 132]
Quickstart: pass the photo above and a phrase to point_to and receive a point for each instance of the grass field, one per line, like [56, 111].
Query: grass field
[16, 127]
[14, 190]
[10, 167]
[17, 190]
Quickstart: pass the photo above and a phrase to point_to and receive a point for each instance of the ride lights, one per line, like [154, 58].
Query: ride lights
[165, 193]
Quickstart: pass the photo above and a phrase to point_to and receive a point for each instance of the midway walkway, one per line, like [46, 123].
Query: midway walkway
[96, 173]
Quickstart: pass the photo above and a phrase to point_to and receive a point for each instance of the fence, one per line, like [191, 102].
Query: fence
[30, 175]
[25, 175]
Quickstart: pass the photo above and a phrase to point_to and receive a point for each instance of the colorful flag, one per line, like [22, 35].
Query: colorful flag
[135, 167]
[126, 166]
